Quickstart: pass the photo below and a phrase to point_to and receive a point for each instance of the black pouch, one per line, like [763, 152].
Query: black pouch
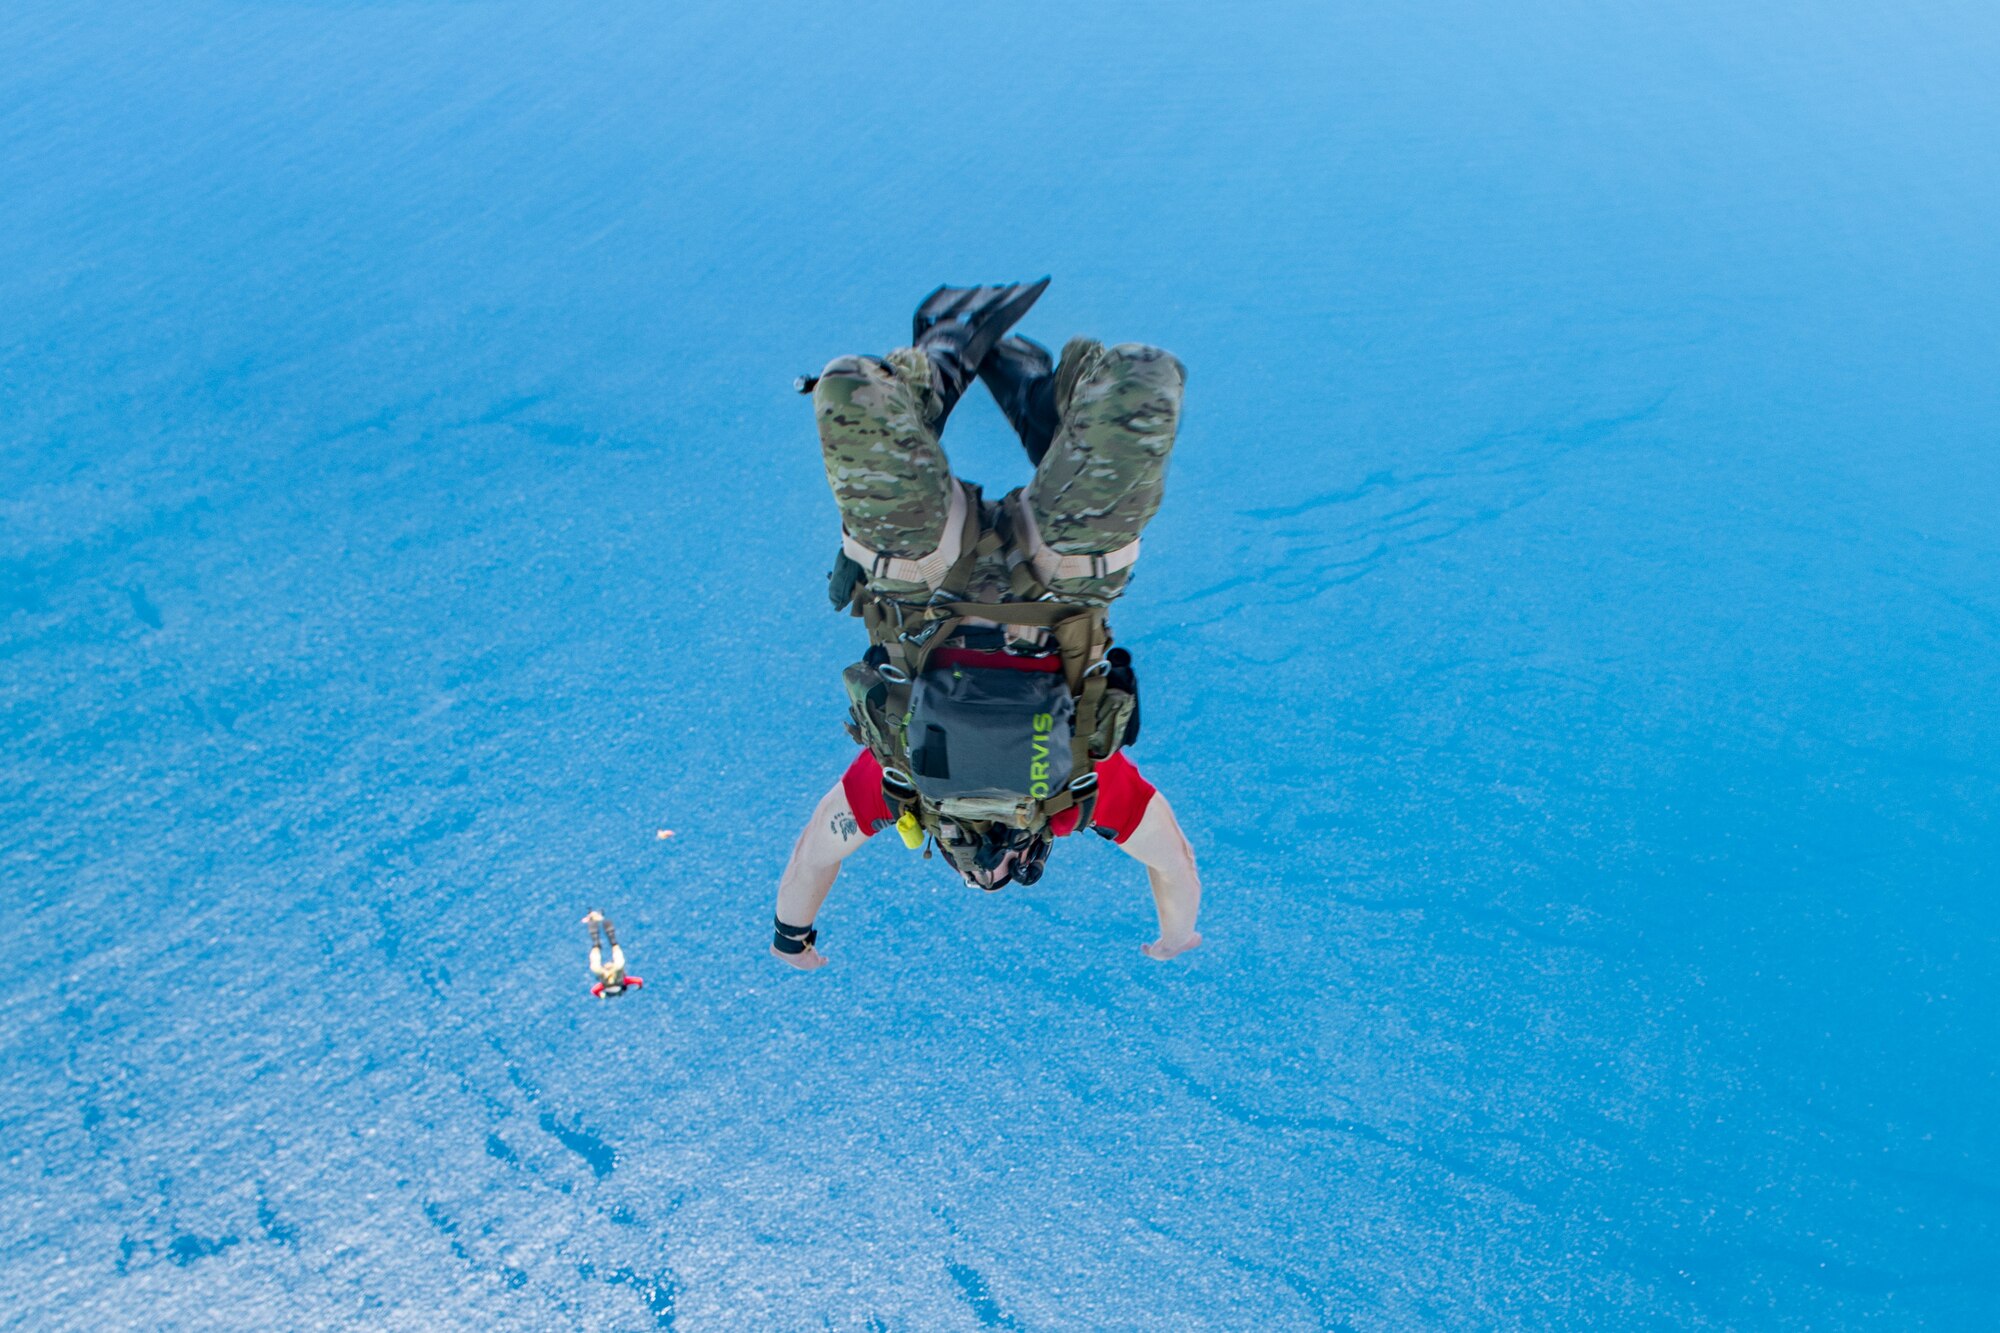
[841, 582]
[989, 732]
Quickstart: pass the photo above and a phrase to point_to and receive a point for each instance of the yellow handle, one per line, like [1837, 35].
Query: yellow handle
[912, 831]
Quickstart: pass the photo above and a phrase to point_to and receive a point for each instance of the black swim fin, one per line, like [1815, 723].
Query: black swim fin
[956, 327]
[1022, 378]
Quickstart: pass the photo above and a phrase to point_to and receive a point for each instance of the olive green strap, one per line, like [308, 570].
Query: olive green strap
[1019, 613]
[918, 644]
[1082, 640]
[972, 544]
[1087, 700]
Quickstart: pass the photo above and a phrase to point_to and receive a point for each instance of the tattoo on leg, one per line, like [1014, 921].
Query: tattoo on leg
[843, 824]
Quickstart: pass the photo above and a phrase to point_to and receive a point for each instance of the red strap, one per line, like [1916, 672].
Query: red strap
[972, 657]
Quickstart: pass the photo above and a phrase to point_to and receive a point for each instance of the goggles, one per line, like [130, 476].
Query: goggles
[995, 856]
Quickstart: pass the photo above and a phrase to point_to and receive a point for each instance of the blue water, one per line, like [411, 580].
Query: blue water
[1572, 640]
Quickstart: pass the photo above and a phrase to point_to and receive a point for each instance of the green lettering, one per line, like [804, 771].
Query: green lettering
[1038, 770]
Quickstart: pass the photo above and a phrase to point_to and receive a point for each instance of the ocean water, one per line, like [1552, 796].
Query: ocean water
[1571, 639]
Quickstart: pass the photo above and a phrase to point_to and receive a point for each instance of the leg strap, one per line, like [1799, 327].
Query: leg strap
[930, 570]
[1050, 565]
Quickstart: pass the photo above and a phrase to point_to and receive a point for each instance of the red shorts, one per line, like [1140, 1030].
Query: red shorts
[1122, 796]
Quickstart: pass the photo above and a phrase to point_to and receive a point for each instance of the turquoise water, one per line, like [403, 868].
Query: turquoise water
[1570, 640]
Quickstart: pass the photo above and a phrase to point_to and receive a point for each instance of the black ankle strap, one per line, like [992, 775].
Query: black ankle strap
[792, 939]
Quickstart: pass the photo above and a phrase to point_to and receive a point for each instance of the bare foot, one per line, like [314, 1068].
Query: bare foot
[804, 962]
[1162, 951]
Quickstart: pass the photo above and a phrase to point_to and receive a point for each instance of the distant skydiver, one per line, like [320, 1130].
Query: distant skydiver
[991, 707]
[607, 967]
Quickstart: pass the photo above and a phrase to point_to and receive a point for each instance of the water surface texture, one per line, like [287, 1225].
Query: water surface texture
[1572, 640]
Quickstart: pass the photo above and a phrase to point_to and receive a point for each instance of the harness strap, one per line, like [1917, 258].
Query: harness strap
[1050, 565]
[1086, 800]
[1078, 630]
[915, 646]
[930, 570]
[1085, 724]
[1080, 795]
[973, 542]
[1018, 613]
